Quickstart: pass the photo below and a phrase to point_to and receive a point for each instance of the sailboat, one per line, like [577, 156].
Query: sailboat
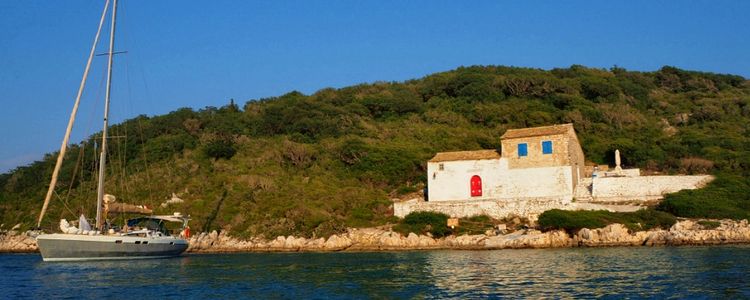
[143, 237]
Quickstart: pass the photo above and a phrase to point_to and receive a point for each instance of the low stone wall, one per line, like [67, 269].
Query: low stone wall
[643, 188]
[497, 209]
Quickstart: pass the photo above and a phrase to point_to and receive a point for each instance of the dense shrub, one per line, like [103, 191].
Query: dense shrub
[392, 105]
[596, 88]
[726, 197]
[219, 149]
[165, 146]
[387, 165]
[696, 165]
[574, 220]
[423, 222]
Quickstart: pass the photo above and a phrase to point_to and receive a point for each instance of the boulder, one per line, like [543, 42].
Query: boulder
[336, 243]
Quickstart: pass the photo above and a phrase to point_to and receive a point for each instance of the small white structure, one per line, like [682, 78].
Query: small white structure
[535, 163]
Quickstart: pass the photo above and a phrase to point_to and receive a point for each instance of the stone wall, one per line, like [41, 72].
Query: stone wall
[497, 209]
[535, 157]
[643, 188]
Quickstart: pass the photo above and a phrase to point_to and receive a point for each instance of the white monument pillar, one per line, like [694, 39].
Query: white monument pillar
[618, 169]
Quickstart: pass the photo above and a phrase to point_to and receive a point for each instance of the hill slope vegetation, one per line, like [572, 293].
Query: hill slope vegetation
[312, 165]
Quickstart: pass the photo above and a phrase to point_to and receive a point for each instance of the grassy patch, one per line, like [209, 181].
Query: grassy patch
[406, 190]
[570, 221]
[727, 197]
[475, 225]
[709, 224]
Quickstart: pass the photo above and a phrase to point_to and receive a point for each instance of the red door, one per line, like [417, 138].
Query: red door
[476, 186]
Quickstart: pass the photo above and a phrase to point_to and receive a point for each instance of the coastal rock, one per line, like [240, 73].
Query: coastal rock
[336, 243]
[315, 244]
[685, 232]
[365, 238]
[468, 241]
[684, 225]
[390, 239]
[529, 239]
[15, 242]
[611, 235]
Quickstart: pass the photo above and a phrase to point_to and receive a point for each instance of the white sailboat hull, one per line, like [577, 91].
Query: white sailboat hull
[74, 247]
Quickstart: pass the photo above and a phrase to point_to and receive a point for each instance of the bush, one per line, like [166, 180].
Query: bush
[571, 221]
[386, 165]
[219, 149]
[727, 197]
[422, 222]
[164, 146]
[298, 155]
[695, 165]
[596, 88]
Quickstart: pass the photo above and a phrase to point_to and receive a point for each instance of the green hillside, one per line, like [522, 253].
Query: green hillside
[314, 164]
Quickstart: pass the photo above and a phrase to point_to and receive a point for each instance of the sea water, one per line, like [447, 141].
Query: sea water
[631, 272]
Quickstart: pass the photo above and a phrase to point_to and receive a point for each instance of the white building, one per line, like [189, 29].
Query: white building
[535, 163]
[537, 169]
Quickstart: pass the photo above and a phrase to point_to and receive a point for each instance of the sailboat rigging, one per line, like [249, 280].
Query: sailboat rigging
[144, 237]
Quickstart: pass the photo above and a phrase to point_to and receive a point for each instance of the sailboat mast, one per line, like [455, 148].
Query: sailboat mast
[64, 146]
[103, 155]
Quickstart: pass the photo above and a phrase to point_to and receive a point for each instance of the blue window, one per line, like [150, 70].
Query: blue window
[523, 149]
[546, 147]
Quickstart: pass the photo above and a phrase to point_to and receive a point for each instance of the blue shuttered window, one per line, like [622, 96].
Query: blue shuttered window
[523, 150]
[546, 147]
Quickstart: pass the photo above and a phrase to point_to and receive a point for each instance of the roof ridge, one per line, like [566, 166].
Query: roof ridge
[539, 130]
[466, 155]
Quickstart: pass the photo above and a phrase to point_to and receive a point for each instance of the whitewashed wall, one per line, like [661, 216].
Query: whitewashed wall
[550, 182]
[453, 182]
[643, 187]
[498, 182]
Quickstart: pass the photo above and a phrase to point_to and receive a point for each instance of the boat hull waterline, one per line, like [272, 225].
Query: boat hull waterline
[72, 247]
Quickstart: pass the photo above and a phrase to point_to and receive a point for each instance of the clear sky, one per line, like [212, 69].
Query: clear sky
[202, 53]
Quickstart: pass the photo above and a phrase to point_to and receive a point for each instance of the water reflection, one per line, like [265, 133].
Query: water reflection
[552, 273]
[636, 272]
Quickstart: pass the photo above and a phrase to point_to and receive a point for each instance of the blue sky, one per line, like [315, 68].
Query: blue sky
[202, 53]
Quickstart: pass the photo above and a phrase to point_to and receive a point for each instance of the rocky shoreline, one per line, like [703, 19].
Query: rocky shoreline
[687, 232]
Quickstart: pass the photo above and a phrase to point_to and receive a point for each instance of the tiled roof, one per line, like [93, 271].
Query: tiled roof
[466, 155]
[537, 131]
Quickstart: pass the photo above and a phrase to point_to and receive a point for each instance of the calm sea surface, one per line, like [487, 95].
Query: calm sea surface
[659, 272]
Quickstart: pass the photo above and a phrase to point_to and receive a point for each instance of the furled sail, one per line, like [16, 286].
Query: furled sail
[111, 206]
[125, 208]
